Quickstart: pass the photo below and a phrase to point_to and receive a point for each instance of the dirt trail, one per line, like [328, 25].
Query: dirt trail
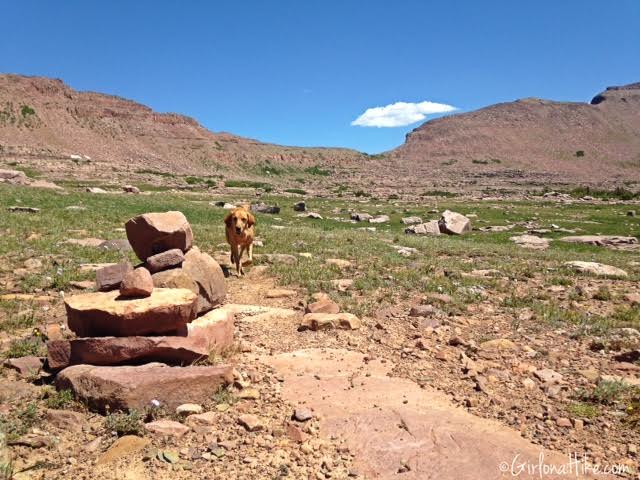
[391, 424]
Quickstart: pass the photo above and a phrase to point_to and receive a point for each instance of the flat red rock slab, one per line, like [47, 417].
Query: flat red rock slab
[212, 332]
[98, 314]
[389, 422]
[134, 387]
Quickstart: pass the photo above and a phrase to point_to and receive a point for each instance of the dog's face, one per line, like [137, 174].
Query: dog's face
[239, 220]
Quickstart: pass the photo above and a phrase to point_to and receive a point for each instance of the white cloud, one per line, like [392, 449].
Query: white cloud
[399, 114]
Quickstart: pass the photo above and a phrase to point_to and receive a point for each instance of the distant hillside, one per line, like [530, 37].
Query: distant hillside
[44, 119]
[572, 142]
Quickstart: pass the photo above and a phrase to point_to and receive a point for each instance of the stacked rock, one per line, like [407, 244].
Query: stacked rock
[161, 311]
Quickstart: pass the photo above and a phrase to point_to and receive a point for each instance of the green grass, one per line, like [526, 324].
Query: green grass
[248, 184]
[331, 238]
[606, 392]
[124, 423]
[16, 315]
[26, 111]
[583, 410]
[297, 191]
[480, 162]
[59, 399]
[209, 182]
[317, 170]
[619, 193]
[17, 424]
[23, 347]
[439, 193]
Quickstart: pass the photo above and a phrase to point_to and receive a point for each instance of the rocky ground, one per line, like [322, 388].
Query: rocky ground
[513, 349]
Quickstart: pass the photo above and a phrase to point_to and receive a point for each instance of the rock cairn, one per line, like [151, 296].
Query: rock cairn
[139, 335]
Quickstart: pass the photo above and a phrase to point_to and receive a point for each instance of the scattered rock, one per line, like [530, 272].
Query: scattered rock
[598, 269]
[136, 283]
[167, 428]
[411, 220]
[329, 321]
[205, 419]
[153, 233]
[338, 262]
[66, 419]
[280, 293]
[601, 240]
[23, 209]
[116, 245]
[361, 217]
[162, 261]
[95, 190]
[250, 422]
[531, 242]
[28, 366]
[428, 228]
[302, 414]
[453, 223]
[563, 422]
[299, 207]
[498, 344]
[548, 376]
[379, 219]
[166, 310]
[110, 277]
[342, 284]
[188, 409]
[131, 189]
[122, 447]
[134, 387]
[264, 208]
[325, 305]
[422, 311]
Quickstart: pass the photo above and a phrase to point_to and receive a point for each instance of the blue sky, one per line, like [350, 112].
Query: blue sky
[299, 72]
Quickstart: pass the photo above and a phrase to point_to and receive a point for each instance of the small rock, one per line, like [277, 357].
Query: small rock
[122, 447]
[411, 220]
[130, 189]
[137, 283]
[548, 376]
[280, 293]
[498, 344]
[167, 428]
[338, 262]
[329, 321]
[164, 260]
[299, 207]
[188, 409]
[342, 284]
[66, 419]
[248, 394]
[110, 277]
[302, 414]
[325, 305]
[564, 422]
[28, 366]
[250, 422]
[598, 269]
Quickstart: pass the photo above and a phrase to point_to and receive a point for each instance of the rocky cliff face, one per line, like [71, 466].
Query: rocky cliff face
[575, 141]
[44, 118]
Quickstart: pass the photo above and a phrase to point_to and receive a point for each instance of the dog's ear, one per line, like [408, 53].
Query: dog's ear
[251, 220]
[227, 219]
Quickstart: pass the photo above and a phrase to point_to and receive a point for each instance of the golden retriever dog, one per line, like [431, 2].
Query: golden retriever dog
[239, 231]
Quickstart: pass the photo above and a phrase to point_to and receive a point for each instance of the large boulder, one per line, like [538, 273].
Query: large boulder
[153, 233]
[453, 223]
[97, 314]
[429, 228]
[212, 332]
[201, 274]
[134, 387]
